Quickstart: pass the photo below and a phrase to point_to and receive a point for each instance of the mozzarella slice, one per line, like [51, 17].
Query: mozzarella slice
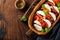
[37, 22]
[41, 13]
[48, 22]
[53, 15]
[38, 27]
[56, 9]
[48, 7]
[51, 1]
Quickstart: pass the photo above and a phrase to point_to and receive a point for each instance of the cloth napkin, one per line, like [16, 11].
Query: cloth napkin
[54, 34]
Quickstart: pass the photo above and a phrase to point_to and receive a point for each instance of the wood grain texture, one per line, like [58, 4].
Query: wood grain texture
[15, 29]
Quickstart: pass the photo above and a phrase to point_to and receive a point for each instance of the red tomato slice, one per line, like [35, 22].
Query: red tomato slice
[44, 24]
[41, 17]
[55, 12]
[56, 1]
[50, 3]
[48, 16]
[36, 17]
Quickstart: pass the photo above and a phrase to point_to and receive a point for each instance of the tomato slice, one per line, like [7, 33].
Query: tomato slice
[36, 17]
[49, 18]
[40, 16]
[56, 1]
[43, 23]
[54, 11]
[50, 3]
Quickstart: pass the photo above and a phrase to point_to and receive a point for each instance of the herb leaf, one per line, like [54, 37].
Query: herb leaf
[45, 11]
[42, 30]
[58, 4]
[24, 18]
[47, 29]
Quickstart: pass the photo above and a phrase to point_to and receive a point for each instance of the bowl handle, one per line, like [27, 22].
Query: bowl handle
[29, 32]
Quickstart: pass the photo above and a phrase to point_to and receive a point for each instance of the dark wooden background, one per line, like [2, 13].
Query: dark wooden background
[9, 17]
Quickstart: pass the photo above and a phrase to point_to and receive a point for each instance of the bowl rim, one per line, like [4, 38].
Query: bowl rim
[23, 5]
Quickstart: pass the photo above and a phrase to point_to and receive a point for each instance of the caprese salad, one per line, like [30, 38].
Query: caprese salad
[46, 15]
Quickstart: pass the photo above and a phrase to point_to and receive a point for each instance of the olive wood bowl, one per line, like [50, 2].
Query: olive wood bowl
[30, 19]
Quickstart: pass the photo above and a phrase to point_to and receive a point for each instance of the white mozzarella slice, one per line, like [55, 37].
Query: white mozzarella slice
[56, 9]
[48, 7]
[48, 22]
[51, 1]
[53, 15]
[37, 22]
[41, 13]
[38, 27]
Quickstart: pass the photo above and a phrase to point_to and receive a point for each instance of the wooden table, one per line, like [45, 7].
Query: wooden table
[15, 29]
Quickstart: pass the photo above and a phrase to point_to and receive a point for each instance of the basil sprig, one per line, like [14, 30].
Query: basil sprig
[24, 18]
[44, 9]
[47, 29]
[58, 4]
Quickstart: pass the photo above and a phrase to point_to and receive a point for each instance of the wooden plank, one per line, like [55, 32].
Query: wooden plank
[14, 27]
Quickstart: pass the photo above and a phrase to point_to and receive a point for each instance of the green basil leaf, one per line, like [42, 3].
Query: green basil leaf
[45, 11]
[58, 4]
[24, 18]
[42, 30]
[43, 6]
[59, 8]
[47, 29]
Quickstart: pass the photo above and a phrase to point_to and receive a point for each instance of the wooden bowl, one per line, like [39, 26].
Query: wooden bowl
[20, 4]
[30, 20]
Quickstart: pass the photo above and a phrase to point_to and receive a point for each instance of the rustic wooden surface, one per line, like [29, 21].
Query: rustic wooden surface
[15, 29]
